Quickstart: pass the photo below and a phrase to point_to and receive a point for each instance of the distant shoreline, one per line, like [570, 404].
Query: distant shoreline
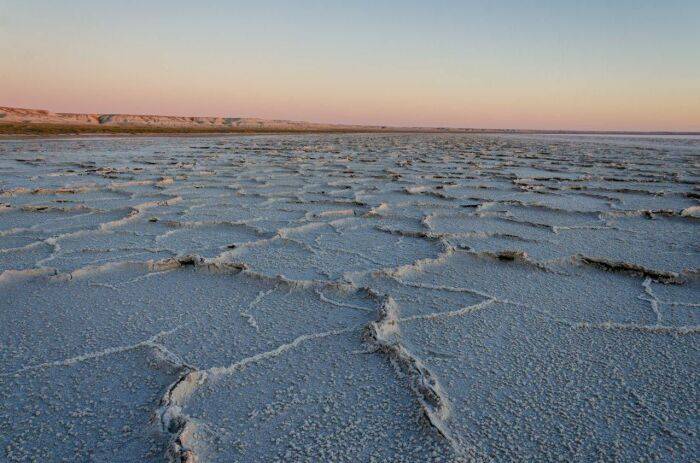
[29, 123]
[29, 131]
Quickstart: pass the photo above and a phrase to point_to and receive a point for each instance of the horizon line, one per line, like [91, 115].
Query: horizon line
[329, 126]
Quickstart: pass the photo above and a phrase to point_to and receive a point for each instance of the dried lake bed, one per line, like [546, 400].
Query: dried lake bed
[355, 297]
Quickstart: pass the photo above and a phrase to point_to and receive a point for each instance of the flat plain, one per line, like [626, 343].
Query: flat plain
[350, 297]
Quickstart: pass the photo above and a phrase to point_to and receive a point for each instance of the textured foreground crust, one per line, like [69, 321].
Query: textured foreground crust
[347, 297]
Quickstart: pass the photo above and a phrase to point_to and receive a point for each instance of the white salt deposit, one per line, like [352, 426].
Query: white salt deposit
[350, 298]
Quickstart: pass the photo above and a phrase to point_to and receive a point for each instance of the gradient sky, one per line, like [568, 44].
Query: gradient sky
[627, 65]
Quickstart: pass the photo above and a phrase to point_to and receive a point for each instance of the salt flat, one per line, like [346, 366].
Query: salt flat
[369, 297]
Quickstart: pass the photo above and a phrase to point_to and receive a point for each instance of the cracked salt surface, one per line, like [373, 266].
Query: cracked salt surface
[350, 298]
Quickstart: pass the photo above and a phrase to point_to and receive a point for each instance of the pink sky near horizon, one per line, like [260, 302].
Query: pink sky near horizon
[496, 109]
[542, 67]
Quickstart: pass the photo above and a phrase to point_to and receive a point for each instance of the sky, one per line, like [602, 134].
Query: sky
[584, 65]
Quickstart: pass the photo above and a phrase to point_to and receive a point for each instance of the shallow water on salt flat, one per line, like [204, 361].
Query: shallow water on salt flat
[350, 297]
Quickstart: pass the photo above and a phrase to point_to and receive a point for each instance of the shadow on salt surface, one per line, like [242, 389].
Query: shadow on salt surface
[280, 256]
[51, 221]
[670, 248]
[73, 241]
[69, 261]
[484, 224]
[98, 322]
[323, 400]
[25, 218]
[631, 201]
[323, 251]
[416, 301]
[417, 211]
[94, 410]
[522, 388]
[265, 216]
[573, 202]
[19, 239]
[678, 305]
[657, 187]
[322, 209]
[74, 250]
[542, 215]
[205, 239]
[236, 316]
[89, 195]
[79, 314]
[573, 293]
[400, 200]
[218, 316]
[24, 257]
[543, 174]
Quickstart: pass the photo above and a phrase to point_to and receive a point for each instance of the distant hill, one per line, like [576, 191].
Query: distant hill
[21, 121]
[28, 120]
